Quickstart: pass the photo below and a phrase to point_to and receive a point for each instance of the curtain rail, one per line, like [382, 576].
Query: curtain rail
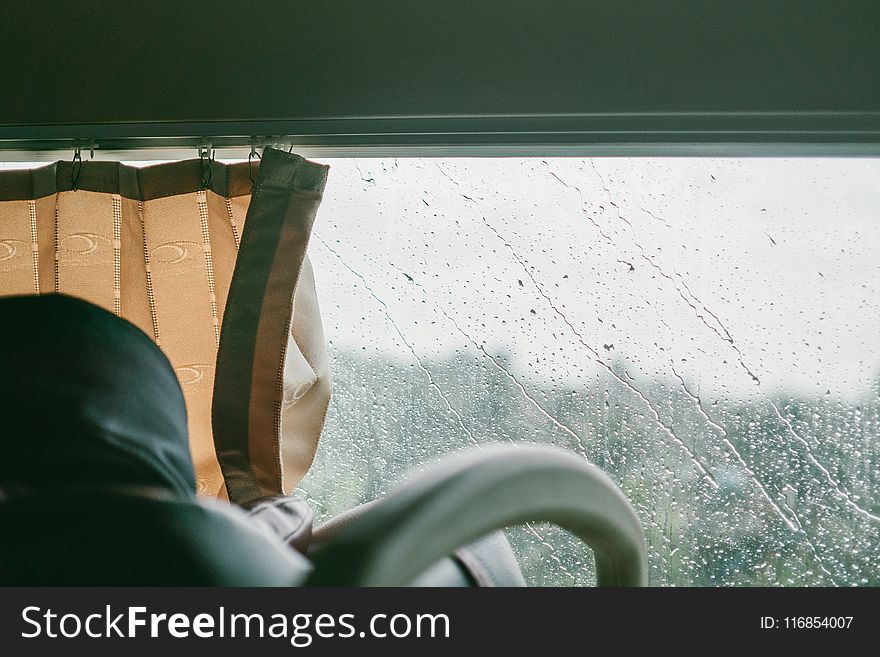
[626, 134]
[238, 148]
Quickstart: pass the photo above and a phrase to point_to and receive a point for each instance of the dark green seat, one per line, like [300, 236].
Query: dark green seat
[96, 477]
[112, 539]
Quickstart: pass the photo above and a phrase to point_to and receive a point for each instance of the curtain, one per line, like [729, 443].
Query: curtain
[209, 260]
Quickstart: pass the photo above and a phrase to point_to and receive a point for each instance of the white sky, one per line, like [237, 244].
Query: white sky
[780, 256]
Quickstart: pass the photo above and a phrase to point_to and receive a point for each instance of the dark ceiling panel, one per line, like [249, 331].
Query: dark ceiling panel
[334, 67]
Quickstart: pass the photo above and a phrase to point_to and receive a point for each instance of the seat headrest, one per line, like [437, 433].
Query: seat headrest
[86, 397]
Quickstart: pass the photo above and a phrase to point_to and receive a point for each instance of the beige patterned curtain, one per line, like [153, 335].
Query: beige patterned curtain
[215, 274]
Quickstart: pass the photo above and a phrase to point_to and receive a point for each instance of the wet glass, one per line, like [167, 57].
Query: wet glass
[704, 330]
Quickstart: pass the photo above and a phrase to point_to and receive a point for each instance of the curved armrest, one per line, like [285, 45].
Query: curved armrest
[469, 495]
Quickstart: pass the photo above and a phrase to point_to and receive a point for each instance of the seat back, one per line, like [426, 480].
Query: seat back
[100, 539]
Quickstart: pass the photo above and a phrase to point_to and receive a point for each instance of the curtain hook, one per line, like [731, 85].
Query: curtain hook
[251, 156]
[76, 168]
[206, 160]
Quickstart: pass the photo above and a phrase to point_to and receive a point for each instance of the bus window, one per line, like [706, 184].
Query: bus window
[704, 330]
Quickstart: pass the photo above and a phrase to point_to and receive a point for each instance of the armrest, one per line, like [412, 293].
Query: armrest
[469, 495]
